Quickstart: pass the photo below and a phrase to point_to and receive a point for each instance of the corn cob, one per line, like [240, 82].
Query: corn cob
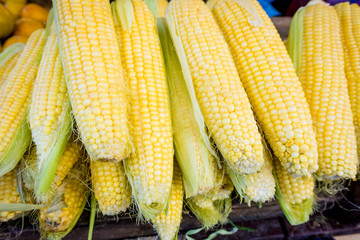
[214, 206]
[9, 194]
[315, 47]
[57, 220]
[211, 75]
[150, 167]
[197, 164]
[111, 187]
[257, 187]
[168, 222]
[349, 16]
[49, 115]
[295, 195]
[8, 60]
[15, 97]
[70, 156]
[94, 77]
[271, 83]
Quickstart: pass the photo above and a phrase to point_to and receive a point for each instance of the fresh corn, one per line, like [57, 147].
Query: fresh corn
[211, 76]
[49, 115]
[295, 195]
[197, 163]
[70, 156]
[57, 220]
[111, 187]
[315, 47]
[94, 76]
[15, 97]
[349, 16]
[214, 206]
[271, 83]
[257, 187]
[168, 222]
[9, 194]
[8, 60]
[150, 166]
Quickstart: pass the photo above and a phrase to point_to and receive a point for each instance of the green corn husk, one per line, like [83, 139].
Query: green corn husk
[197, 163]
[10, 51]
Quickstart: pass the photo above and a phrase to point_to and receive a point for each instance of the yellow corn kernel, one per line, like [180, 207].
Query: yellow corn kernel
[211, 75]
[295, 195]
[9, 194]
[150, 167]
[168, 222]
[6, 68]
[315, 36]
[94, 76]
[349, 16]
[111, 187]
[15, 97]
[56, 220]
[271, 83]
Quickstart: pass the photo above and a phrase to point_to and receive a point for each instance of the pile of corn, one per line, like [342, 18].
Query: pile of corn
[150, 104]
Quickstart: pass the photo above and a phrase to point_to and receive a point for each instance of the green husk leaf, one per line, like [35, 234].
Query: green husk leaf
[92, 216]
[298, 213]
[17, 148]
[45, 177]
[10, 51]
[49, 23]
[294, 41]
[174, 33]
[239, 182]
[12, 207]
[126, 16]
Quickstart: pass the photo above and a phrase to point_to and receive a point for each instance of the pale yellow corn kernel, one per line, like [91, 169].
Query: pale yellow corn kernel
[111, 187]
[271, 83]
[15, 94]
[293, 190]
[6, 69]
[349, 16]
[323, 78]
[94, 76]
[150, 166]
[9, 194]
[50, 100]
[72, 196]
[167, 223]
[218, 88]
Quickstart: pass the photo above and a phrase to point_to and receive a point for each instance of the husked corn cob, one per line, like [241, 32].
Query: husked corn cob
[197, 163]
[8, 60]
[270, 81]
[150, 166]
[315, 47]
[168, 222]
[57, 220]
[15, 97]
[211, 75]
[9, 194]
[94, 76]
[111, 187]
[257, 187]
[49, 115]
[349, 16]
[214, 206]
[295, 195]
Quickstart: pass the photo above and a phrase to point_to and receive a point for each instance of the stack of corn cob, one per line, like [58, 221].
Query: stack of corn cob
[158, 102]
